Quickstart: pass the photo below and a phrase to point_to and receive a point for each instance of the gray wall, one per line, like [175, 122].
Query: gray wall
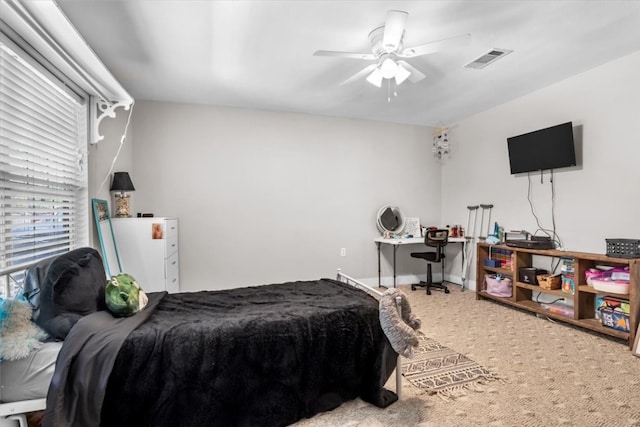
[265, 197]
[599, 199]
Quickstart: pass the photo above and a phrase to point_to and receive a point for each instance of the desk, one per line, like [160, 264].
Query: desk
[395, 243]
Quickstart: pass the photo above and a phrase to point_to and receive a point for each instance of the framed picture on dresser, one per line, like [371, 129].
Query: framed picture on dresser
[106, 237]
[412, 226]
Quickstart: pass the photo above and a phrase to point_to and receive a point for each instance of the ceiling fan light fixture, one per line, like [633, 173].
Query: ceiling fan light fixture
[401, 74]
[375, 78]
[387, 47]
[388, 68]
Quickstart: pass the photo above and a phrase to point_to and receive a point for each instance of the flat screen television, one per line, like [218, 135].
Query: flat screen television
[550, 148]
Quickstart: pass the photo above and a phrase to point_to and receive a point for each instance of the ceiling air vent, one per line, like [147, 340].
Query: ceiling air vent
[487, 58]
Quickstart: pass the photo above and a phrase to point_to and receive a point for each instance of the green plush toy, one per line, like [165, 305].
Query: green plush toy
[124, 296]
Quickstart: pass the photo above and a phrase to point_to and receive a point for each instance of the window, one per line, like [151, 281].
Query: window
[43, 174]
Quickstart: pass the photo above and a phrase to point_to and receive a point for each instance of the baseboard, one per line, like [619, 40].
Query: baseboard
[387, 281]
[468, 284]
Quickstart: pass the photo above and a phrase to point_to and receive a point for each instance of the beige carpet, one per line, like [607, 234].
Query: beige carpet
[552, 374]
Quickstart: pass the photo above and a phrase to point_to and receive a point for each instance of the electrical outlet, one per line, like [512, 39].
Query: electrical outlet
[343, 251]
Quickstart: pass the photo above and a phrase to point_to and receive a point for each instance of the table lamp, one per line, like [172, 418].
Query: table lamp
[121, 183]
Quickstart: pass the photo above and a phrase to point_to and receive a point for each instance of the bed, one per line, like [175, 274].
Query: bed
[24, 384]
[266, 355]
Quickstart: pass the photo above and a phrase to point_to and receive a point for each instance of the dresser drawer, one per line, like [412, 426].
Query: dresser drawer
[171, 236]
[172, 271]
[171, 228]
[171, 246]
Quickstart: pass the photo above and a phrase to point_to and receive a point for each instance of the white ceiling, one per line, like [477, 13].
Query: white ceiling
[259, 54]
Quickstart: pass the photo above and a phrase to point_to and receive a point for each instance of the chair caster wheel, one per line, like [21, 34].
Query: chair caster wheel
[428, 292]
[413, 287]
[446, 291]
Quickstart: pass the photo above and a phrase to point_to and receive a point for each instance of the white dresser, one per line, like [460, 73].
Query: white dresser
[148, 249]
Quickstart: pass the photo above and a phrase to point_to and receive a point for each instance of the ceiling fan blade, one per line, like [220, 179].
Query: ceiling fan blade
[359, 74]
[394, 28]
[415, 75]
[353, 55]
[432, 47]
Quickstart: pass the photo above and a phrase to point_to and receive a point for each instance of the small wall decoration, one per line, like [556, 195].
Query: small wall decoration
[441, 148]
[156, 231]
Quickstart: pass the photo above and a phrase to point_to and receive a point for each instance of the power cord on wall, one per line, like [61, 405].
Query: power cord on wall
[122, 140]
[553, 207]
[551, 233]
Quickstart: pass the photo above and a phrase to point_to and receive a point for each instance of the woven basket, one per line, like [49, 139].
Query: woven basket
[549, 281]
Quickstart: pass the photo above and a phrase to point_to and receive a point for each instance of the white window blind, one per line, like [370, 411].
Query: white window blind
[43, 177]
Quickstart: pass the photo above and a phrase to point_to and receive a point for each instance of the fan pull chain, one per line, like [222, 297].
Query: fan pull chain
[395, 89]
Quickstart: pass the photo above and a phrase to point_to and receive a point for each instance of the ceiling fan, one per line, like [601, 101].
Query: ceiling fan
[388, 51]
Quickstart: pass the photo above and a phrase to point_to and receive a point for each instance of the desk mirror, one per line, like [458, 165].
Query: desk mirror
[390, 219]
[106, 237]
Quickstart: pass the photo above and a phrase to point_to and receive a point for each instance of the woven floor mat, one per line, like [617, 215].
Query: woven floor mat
[439, 370]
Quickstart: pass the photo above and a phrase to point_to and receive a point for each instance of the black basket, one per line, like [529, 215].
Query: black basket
[623, 248]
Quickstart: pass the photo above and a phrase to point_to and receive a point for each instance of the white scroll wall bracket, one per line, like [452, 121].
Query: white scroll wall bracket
[99, 110]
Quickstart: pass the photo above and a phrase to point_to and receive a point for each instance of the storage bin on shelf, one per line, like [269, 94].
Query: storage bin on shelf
[614, 281]
[549, 281]
[615, 318]
[613, 312]
[498, 286]
[590, 274]
[623, 248]
[529, 275]
[614, 303]
[561, 309]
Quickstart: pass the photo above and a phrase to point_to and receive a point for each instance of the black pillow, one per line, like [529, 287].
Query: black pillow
[66, 288]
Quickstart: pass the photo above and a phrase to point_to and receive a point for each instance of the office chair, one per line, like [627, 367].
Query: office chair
[434, 239]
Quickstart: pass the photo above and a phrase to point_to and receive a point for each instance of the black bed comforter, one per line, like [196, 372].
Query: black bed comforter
[258, 356]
